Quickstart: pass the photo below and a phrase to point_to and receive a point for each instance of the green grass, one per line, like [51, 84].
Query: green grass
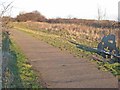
[58, 42]
[19, 73]
[63, 44]
[25, 72]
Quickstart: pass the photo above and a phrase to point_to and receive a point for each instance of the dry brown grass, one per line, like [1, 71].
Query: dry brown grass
[80, 32]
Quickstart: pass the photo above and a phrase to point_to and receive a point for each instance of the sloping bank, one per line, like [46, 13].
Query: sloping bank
[18, 72]
[63, 44]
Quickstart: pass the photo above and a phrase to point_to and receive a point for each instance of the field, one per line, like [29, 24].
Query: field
[84, 34]
[59, 34]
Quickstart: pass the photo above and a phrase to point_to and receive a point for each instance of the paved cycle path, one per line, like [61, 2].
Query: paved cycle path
[59, 69]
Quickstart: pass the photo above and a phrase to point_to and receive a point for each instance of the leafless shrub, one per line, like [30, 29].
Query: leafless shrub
[31, 16]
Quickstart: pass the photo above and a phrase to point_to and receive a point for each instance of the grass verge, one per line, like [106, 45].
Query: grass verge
[23, 68]
[19, 73]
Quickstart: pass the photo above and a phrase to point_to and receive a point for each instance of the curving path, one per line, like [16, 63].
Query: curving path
[59, 69]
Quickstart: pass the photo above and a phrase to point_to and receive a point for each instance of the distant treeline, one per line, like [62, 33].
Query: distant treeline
[38, 17]
[94, 23]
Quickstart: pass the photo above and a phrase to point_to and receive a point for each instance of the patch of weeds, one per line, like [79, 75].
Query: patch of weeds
[23, 75]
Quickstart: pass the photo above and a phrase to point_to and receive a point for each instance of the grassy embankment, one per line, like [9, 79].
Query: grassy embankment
[59, 38]
[19, 73]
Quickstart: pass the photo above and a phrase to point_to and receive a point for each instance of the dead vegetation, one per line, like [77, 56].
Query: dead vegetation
[88, 34]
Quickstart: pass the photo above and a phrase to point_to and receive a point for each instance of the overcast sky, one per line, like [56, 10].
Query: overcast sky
[86, 9]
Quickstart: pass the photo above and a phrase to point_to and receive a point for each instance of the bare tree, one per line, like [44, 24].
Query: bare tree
[5, 9]
[101, 13]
